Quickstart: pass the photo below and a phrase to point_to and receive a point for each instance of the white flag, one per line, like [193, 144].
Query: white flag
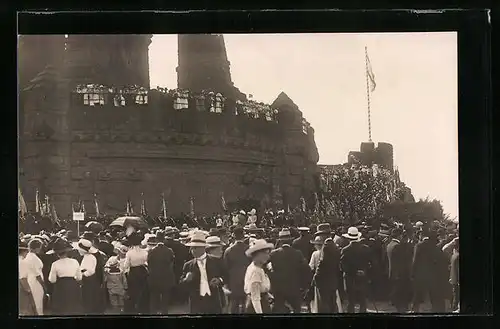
[369, 73]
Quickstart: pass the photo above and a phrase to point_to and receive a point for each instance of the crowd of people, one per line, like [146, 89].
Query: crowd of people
[248, 267]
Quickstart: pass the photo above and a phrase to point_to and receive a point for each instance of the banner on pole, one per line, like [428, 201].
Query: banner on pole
[78, 216]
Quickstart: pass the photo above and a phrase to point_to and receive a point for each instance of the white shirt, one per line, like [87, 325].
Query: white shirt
[23, 268]
[65, 268]
[136, 256]
[202, 265]
[315, 258]
[89, 263]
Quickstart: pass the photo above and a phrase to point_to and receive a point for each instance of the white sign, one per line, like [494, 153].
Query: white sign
[78, 216]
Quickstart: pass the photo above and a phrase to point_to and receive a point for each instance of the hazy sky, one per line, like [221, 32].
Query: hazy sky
[414, 105]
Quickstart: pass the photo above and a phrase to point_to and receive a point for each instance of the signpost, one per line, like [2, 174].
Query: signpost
[78, 217]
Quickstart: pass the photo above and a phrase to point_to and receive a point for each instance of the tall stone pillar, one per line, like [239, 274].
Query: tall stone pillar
[203, 65]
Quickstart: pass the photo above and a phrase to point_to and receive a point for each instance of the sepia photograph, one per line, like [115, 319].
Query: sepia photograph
[202, 174]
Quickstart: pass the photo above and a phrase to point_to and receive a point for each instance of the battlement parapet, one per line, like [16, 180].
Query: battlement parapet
[180, 100]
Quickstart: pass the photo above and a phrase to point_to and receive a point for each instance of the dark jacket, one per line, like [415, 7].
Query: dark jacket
[303, 244]
[181, 255]
[399, 257]
[328, 270]
[214, 268]
[161, 267]
[236, 263]
[291, 272]
[430, 265]
[355, 257]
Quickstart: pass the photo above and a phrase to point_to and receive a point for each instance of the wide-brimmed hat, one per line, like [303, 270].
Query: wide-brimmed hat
[86, 246]
[352, 233]
[323, 229]
[318, 240]
[198, 239]
[112, 261]
[284, 234]
[258, 245]
[214, 241]
[169, 230]
[61, 246]
[303, 229]
[243, 212]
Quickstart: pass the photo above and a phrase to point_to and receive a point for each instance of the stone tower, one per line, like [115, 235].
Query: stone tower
[111, 60]
[203, 65]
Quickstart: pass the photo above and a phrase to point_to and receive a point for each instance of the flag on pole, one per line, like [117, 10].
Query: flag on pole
[96, 204]
[54, 217]
[82, 207]
[38, 204]
[129, 208]
[143, 206]
[21, 203]
[45, 206]
[191, 201]
[223, 201]
[164, 206]
[369, 72]
[316, 205]
[303, 203]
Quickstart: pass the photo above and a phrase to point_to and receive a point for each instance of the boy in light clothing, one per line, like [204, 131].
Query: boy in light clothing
[116, 284]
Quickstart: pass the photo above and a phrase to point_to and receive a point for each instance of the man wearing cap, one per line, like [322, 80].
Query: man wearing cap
[203, 277]
[236, 263]
[429, 273]
[355, 262]
[303, 243]
[161, 277]
[399, 255]
[290, 275]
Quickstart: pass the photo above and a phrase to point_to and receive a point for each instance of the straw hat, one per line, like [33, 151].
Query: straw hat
[352, 233]
[198, 239]
[284, 234]
[86, 246]
[257, 245]
[323, 229]
[214, 241]
[303, 229]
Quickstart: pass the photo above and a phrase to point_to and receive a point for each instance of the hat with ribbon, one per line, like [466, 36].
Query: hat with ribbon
[323, 229]
[352, 233]
[198, 239]
[214, 241]
[86, 246]
[284, 234]
[258, 245]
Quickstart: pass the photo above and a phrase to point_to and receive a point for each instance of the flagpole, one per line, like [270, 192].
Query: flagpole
[368, 96]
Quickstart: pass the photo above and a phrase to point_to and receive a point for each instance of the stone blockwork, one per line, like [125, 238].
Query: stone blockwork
[368, 154]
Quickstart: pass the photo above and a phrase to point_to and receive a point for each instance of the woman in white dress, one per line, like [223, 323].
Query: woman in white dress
[35, 275]
[257, 284]
[26, 302]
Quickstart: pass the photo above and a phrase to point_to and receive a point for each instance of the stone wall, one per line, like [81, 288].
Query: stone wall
[120, 152]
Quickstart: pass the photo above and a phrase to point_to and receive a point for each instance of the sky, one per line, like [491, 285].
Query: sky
[414, 106]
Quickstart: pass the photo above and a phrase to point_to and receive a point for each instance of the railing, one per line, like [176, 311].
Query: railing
[98, 95]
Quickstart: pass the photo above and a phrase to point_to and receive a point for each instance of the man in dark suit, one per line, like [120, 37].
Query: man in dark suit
[290, 275]
[355, 263]
[161, 277]
[236, 263]
[203, 278]
[327, 278]
[303, 243]
[429, 273]
[399, 257]
[181, 256]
